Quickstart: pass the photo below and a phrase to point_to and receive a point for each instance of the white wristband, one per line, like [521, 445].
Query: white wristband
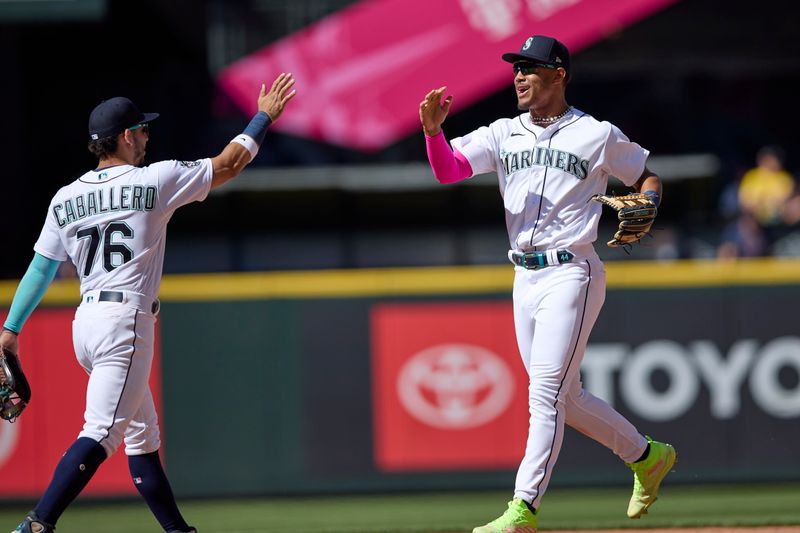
[248, 143]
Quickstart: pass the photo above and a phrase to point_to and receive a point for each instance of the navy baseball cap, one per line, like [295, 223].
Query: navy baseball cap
[115, 115]
[542, 49]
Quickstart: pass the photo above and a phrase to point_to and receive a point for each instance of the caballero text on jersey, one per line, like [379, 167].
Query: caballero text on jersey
[124, 198]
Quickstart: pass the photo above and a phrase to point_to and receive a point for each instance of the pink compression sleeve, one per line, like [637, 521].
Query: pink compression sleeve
[449, 166]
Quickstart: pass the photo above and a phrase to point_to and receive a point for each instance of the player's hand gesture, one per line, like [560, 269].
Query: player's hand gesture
[273, 102]
[433, 111]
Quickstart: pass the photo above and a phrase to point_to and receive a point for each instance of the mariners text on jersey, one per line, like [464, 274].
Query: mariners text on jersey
[103, 200]
[545, 157]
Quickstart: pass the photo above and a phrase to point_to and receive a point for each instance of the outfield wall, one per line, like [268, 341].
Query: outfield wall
[391, 379]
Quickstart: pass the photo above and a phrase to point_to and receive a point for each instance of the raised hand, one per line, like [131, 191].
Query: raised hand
[433, 111]
[273, 102]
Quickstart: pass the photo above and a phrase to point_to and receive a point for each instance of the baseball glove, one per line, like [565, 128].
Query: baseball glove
[636, 213]
[15, 393]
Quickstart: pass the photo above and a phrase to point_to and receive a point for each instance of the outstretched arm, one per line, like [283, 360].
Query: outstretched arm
[243, 148]
[448, 166]
[32, 287]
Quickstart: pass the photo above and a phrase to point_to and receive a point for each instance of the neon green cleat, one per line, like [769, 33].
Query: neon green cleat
[517, 519]
[647, 476]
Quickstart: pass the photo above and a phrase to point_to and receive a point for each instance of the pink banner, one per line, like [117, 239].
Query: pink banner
[362, 72]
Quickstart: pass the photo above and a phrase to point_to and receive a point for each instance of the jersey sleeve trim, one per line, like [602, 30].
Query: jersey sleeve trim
[630, 182]
[49, 255]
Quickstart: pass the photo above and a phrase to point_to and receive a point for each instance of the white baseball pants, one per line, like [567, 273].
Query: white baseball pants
[114, 344]
[555, 309]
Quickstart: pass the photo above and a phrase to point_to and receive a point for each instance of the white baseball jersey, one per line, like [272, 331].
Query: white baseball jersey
[548, 175]
[112, 223]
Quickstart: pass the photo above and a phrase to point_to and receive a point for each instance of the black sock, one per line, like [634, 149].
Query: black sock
[151, 482]
[531, 509]
[72, 473]
[644, 455]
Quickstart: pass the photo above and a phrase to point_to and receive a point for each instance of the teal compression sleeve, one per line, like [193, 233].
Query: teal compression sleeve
[32, 287]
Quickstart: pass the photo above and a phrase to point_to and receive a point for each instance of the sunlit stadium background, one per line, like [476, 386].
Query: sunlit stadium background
[297, 297]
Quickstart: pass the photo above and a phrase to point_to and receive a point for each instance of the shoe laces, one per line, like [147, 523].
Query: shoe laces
[515, 514]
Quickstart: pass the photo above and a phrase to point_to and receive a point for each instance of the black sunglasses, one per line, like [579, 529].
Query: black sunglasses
[527, 68]
[144, 127]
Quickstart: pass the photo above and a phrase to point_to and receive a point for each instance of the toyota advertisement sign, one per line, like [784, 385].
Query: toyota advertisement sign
[450, 393]
[447, 385]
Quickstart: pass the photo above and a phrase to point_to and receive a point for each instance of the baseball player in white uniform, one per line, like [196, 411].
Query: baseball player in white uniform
[111, 223]
[550, 160]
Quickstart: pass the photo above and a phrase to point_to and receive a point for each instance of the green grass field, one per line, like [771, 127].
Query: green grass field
[753, 505]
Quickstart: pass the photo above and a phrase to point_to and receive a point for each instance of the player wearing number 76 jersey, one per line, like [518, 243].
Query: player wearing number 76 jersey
[111, 223]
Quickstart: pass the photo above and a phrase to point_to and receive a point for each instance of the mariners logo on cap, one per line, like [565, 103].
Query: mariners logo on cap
[528, 43]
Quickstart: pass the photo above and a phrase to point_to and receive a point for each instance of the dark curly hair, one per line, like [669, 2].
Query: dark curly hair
[103, 148]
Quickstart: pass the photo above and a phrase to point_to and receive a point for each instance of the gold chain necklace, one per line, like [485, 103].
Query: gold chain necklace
[546, 121]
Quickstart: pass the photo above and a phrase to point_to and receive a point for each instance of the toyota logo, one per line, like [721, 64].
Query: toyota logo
[455, 386]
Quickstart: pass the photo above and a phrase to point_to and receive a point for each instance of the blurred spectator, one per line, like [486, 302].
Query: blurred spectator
[791, 209]
[765, 202]
[728, 202]
[765, 189]
[743, 237]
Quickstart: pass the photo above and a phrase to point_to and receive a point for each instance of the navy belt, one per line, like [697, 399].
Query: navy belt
[111, 296]
[119, 297]
[537, 260]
